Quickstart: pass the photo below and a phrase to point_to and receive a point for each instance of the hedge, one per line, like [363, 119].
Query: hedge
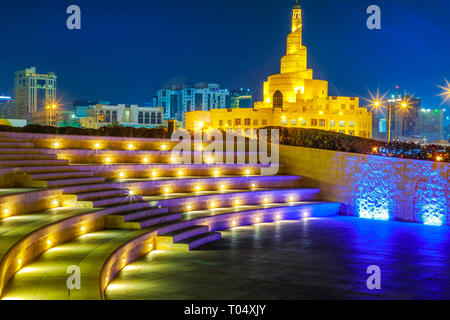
[320, 139]
[113, 131]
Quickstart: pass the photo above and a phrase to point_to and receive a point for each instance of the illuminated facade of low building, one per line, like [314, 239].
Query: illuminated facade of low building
[125, 115]
[292, 98]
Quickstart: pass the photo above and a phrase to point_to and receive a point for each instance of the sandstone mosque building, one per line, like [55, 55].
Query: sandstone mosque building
[292, 98]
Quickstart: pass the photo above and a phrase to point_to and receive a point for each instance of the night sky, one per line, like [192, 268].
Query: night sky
[127, 50]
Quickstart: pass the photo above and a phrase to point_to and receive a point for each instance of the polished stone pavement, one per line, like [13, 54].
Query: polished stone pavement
[323, 258]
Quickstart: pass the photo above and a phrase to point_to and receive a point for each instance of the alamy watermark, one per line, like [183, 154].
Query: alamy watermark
[374, 21]
[374, 281]
[73, 22]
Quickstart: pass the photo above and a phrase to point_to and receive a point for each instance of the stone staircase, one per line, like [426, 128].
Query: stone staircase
[183, 206]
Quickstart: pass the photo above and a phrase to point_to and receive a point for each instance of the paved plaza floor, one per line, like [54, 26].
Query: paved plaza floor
[324, 258]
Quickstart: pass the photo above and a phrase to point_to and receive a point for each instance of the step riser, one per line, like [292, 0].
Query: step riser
[143, 214]
[105, 194]
[204, 241]
[116, 201]
[25, 163]
[16, 145]
[169, 240]
[61, 183]
[163, 219]
[20, 157]
[244, 198]
[61, 175]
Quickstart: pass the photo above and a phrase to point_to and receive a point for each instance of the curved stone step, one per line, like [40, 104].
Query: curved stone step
[120, 220]
[18, 145]
[29, 163]
[61, 175]
[95, 195]
[181, 234]
[147, 222]
[106, 202]
[197, 241]
[69, 182]
[11, 156]
[21, 151]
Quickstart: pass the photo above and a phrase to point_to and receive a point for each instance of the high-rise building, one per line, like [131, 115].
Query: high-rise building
[6, 107]
[430, 125]
[292, 98]
[241, 98]
[33, 92]
[176, 101]
[170, 100]
[403, 119]
[447, 124]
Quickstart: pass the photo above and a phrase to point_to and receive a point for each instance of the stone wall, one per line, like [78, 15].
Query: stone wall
[375, 187]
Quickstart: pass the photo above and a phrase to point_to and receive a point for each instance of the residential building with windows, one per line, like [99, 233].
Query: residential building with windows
[176, 101]
[125, 115]
[241, 99]
[6, 107]
[292, 98]
[33, 92]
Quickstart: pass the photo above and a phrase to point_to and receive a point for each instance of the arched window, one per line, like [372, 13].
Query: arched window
[147, 118]
[108, 116]
[114, 116]
[278, 99]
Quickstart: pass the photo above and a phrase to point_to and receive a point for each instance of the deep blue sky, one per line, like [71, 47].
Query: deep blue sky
[127, 50]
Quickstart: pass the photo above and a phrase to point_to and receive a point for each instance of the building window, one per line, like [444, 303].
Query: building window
[237, 122]
[351, 132]
[342, 131]
[342, 123]
[304, 109]
[332, 123]
[220, 123]
[159, 118]
[304, 123]
[321, 123]
[153, 121]
[351, 123]
[141, 117]
[255, 122]
[278, 99]
[114, 116]
[313, 122]
[229, 123]
[294, 122]
[264, 122]
[284, 122]
[352, 107]
[343, 107]
[147, 118]
[247, 121]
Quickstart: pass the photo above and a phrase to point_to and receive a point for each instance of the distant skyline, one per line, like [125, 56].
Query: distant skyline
[128, 50]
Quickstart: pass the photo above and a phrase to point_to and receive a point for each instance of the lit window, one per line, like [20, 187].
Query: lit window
[342, 123]
[351, 123]
[332, 123]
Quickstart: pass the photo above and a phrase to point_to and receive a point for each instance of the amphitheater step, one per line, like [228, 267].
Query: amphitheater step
[28, 157]
[46, 169]
[148, 222]
[16, 145]
[64, 182]
[197, 241]
[122, 220]
[61, 175]
[106, 202]
[20, 151]
[134, 215]
[96, 195]
[28, 163]
[128, 207]
[166, 241]
[7, 139]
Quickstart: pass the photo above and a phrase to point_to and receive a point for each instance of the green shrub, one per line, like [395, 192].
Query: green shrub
[320, 139]
[115, 131]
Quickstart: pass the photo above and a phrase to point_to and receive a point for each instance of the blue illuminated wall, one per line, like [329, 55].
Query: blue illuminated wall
[375, 187]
